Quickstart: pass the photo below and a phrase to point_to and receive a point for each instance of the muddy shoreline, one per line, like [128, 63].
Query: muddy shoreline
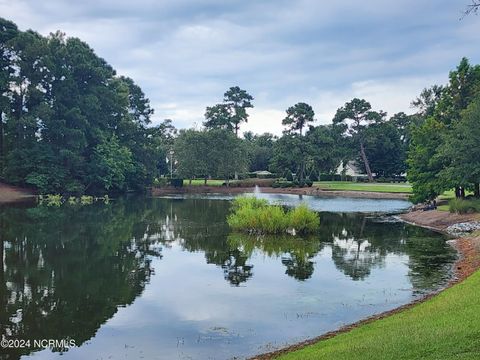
[315, 191]
[12, 194]
[468, 262]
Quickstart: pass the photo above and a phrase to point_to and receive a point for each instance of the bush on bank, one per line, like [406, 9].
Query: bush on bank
[255, 216]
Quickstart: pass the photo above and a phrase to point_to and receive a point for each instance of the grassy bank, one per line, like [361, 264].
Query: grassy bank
[201, 182]
[444, 327]
[352, 186]
[332, 185]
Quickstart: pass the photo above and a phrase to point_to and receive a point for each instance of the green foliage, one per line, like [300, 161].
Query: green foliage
[464, 206]
[231, 113]
[86, 200]
[176, 182]
[444, 150]
[303, 220]
[298, 116]
[260, 150]
[112, 163]
[423, 166]
[356, 115]
[283, 184]
[75, 126]
[289, 175]
[256, 216]
[385, 149]
[160, 182]
[50, 200]
[214, 153]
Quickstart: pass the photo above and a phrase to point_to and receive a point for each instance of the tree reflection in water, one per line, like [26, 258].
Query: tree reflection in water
[66, 271]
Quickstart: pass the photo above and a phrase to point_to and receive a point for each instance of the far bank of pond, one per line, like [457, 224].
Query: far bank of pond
[314, 191]
[166, 277]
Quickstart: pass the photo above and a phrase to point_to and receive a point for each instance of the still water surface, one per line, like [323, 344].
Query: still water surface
[165, 278]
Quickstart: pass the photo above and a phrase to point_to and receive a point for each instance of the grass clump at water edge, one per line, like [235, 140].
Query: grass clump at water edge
[464, 206]
[256, 216]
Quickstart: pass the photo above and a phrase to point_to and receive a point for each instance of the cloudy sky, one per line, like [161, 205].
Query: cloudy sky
[185, 54]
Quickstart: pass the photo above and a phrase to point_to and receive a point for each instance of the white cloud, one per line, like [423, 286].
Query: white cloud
[323, 53]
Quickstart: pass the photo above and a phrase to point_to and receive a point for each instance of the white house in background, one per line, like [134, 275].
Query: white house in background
[351, 169]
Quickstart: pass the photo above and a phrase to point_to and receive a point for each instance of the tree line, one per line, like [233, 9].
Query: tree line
[68, 122]
[436, 148]
[356, 133]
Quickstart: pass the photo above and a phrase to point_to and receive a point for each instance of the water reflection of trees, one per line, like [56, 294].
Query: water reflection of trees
[295, 253]
[67, 270]
[358, 244]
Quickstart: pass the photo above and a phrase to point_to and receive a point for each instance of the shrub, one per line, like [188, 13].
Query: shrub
[160, 182]
[289, 176]
[86, 200]
[255, 216]
[303, 220]
[176, 182]
[50, 200]
[313, 176]
[283, 184]
[462, 206]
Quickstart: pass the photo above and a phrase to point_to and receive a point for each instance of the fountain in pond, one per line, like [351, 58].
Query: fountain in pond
[256, 191]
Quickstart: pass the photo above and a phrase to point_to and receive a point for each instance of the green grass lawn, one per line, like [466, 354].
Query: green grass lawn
[201, 182]
[444, 207]
[379, 187]
[444, 327]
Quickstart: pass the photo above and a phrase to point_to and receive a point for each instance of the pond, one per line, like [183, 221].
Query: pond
[165, 278]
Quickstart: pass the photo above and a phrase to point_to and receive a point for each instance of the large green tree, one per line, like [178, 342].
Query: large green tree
[61, 106]
[231, 113]
[357, 114]
[298, 116]
[423, 164]
[462, 150]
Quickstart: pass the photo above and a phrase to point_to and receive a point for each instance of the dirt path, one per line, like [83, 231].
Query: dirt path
[435, 219]
[10, 194]
[297, 191]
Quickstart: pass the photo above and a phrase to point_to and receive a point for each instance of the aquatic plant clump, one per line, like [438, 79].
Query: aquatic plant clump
[256, 216]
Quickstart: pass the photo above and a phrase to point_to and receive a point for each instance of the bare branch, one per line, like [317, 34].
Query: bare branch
[472, 8]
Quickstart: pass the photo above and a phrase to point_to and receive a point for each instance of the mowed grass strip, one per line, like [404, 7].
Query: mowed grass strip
[353, 186]
[444, 327]
[201, 182]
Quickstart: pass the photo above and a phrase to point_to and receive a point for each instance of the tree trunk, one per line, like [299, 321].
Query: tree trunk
[302, 172]
[477, 190]
[365, 162]
[190, 181]
[457, 192]
[205, 181]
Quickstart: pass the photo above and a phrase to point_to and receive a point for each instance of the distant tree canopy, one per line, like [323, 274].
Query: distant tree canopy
[216, 153]
[231, 113]
[69, 123]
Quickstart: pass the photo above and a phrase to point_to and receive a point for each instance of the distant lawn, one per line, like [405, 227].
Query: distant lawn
[444, 327]
[353, 186]
[201, 182]
[445, 207]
